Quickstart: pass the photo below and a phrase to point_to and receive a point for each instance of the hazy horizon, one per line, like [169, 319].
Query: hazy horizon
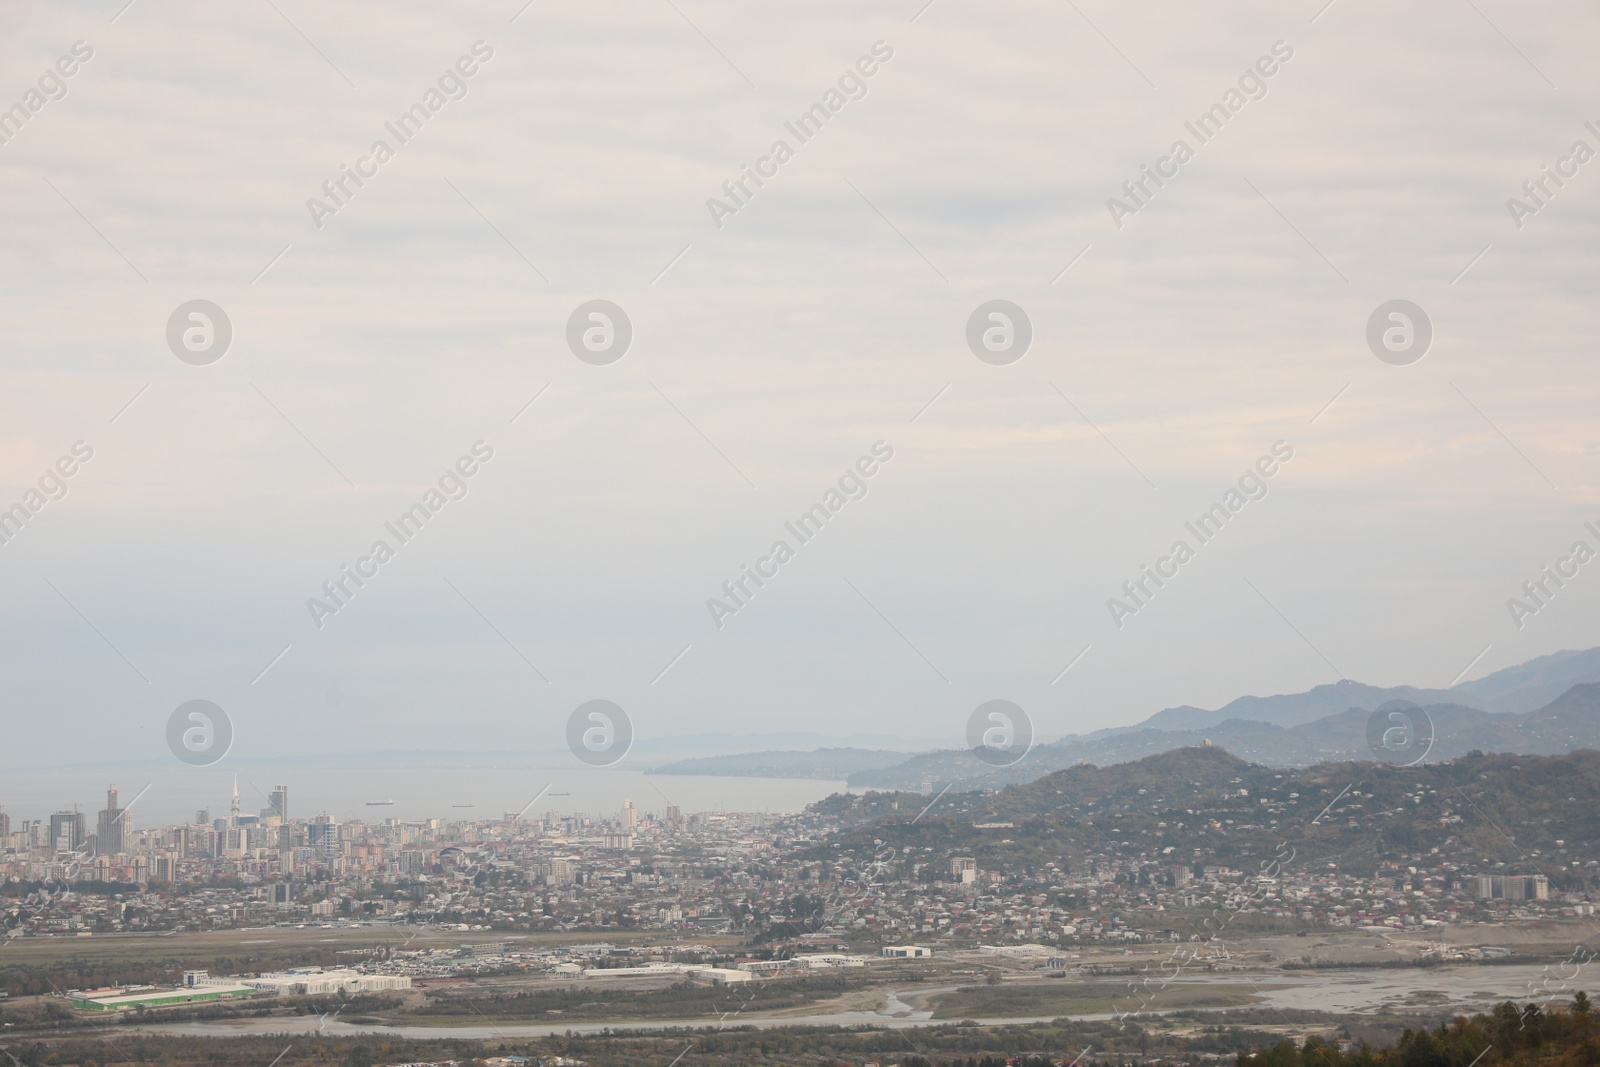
[1185, 337]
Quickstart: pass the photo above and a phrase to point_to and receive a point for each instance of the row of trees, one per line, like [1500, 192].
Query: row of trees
[1509, 1036]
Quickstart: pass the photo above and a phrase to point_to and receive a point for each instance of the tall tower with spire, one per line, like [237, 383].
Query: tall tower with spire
[233, 806]
[112, 828]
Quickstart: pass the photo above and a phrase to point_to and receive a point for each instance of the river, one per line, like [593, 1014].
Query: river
[1460, 988]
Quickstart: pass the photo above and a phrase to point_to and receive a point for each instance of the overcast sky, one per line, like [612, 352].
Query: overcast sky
[771, 352]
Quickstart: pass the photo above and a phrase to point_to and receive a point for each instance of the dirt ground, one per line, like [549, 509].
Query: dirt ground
[1528, 939]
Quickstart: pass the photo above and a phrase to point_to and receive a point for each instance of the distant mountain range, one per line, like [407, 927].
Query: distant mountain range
[1522, 688]
[1545, 706]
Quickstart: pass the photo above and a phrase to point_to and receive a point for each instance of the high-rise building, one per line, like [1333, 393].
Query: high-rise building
[68, 830]
[630, 815]
[112, 827]
[322, 834]
[278, 803]
[204, 842]
[1511, 887]
[5, 824]
[233, 805]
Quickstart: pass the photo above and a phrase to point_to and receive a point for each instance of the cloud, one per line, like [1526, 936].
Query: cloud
[431, 309]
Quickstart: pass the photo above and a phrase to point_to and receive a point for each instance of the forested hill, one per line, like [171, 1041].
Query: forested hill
[1537, 812]
[1554, 1035]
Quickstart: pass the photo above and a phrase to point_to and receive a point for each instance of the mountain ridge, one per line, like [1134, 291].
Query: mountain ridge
[1540, 706]
[1570, 721]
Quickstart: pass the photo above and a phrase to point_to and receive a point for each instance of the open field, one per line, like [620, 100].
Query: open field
[275, 946]
[281, 940]
[1181, 1038]
[625, 999]
[1333, 969]
[102, 958]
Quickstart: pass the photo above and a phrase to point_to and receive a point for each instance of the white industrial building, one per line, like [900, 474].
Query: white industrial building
[693, 971]
[821, 960]
[316, 981]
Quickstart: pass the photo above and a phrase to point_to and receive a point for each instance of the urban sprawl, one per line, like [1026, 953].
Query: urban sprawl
[752, 876]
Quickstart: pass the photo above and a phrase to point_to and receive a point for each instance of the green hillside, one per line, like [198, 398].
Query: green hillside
[1197, 805]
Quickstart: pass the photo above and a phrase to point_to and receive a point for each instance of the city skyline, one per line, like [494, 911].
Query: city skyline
[901, 533]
